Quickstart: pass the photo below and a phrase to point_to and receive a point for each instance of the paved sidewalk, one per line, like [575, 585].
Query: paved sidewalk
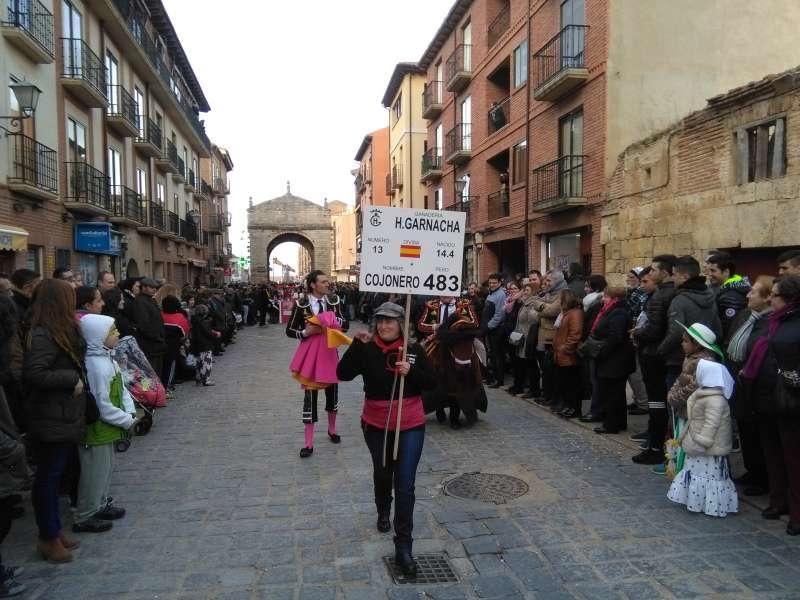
[221, 506]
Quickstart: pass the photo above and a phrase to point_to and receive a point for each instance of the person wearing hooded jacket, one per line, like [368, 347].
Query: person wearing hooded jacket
[693, 303]
[730, 289]
[95, 509]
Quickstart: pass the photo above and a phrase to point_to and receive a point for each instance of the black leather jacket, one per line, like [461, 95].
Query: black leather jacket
[650, 336]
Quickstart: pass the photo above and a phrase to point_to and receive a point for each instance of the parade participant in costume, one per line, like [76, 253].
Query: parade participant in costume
[316, 300]
[374, 356]
[450, 327]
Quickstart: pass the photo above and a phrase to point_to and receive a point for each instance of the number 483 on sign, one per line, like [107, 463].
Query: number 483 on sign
[442, 283]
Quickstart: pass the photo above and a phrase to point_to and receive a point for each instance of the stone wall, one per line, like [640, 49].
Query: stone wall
[678, 192]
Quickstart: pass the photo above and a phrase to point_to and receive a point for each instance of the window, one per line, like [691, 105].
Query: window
[34, 259]
[160, 192]
[76, 140]
[570, 164]
[112, 81]
[138, 98]
[397, 107]
[437, 198]
[114, 170]
[175, 203]
[141, 183]
[762, 151]
[521, 64]
[519, 162]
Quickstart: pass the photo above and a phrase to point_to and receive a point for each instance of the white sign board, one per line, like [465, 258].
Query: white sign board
[410, 251]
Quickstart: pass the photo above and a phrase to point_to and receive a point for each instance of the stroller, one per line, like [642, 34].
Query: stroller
[141, 381]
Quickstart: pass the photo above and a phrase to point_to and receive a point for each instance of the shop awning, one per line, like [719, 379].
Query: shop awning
[198, 263]
[13, 238]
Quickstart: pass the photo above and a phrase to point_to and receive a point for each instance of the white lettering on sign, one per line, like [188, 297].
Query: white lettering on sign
[410, 251]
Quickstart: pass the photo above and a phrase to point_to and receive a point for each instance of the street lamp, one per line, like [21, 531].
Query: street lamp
[460, 185]
[27, 97]
[194, 216]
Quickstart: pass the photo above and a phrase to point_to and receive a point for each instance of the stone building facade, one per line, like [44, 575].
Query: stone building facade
[726, 177]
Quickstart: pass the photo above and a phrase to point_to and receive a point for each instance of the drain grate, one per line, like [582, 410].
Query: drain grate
[486, 487]
[431, 568]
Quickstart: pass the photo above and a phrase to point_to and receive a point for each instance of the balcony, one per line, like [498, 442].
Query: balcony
[464, 205]
[560, 66]
[498, 26]
[83, 72]
[121, 112]
[167, 161]
[458, 144]
[172, 222]
[432, 164]
[128, 207]
[499, 115]
[458, 68]
[202, 190]
[432, 100]
[359, 183]
[179, 176]
[389, 188]
[214, 223]
[155, 220]
[397, 177]
[28, 26]
[558, 185]
[33, 169]
[87, 190]
[221, 186]
[148, 140]
[161, 73]
[189, 232]
[190, 183]
[497, 205]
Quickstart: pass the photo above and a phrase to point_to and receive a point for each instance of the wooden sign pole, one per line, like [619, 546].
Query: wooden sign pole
[402, 378]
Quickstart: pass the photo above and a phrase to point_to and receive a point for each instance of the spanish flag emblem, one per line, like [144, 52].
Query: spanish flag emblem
[410, 251]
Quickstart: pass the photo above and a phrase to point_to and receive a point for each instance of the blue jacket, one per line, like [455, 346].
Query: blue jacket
[498, 298]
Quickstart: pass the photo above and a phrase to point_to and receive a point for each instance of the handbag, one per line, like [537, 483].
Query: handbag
[591, 348]
[91, 412]
[516, 338]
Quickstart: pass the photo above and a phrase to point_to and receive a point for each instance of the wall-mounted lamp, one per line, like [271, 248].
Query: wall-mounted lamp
[477, 241]
[27, 97]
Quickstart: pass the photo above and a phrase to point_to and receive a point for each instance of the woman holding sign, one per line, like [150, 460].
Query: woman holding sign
[377, 357]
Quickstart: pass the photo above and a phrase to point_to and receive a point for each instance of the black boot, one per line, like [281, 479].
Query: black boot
[404, 562]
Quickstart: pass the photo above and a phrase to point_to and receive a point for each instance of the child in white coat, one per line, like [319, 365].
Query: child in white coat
[704, 484]
[95, 511]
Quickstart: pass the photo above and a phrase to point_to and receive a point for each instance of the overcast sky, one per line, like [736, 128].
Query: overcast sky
[294, 87]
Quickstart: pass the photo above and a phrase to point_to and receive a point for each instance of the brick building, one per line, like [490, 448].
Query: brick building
[373, 167]
[106, 174]
[529, 102]
[725, 177]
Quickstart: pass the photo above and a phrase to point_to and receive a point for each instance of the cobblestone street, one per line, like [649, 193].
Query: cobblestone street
[221, 506]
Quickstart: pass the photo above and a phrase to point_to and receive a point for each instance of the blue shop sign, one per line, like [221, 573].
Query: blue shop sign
[97, 238]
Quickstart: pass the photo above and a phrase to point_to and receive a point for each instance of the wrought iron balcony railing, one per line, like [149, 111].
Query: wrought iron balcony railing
[127, 203]
[499, 115]
[156, 219]
[458, 143]
[499, 25]
[32, 17]
[458, 67]
[189, 231]
[562, 178]
[181, 168]
[149, 132]
[87, 185]
[498, 205]
[221, 185]
[206, 189]
[79, 61]
[565, 50]
[32, 164]
[432, 99]
[121, 104]
[397, 177]
[464, 205]
[173, 223]
[432, 163]
[389, 188]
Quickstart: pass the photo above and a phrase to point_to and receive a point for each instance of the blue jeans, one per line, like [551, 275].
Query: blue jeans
[51, 460]
[402, 472]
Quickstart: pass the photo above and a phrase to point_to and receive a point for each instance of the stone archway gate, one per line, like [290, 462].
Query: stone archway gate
[288, 218]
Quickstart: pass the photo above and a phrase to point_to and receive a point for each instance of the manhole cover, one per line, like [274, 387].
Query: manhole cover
[486, 487]
[431, 568]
